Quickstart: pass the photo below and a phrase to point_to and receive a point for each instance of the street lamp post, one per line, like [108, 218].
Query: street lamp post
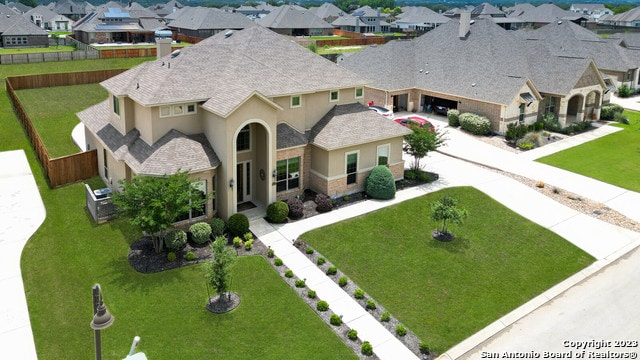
[102, 319]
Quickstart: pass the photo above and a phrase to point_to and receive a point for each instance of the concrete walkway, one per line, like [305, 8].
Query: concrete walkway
[21, 214]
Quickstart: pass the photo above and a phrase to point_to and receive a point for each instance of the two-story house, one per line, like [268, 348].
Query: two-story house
[253, 117]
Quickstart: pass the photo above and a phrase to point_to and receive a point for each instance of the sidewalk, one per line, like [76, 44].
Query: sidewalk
[22, 212]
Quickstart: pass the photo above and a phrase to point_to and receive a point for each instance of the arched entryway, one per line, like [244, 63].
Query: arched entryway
[592, 105]
[251, 168]
[575, 108]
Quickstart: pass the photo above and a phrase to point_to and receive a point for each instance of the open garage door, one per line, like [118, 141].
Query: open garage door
[432, 104]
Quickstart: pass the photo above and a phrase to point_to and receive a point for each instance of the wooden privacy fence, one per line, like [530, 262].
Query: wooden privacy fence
[66, 169]
[47, 57]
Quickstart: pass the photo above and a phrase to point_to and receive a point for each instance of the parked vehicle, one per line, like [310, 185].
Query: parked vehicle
[382, 111]
[415, 120]
[440, 109]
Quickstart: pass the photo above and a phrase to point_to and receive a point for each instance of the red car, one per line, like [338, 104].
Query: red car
[415, 120]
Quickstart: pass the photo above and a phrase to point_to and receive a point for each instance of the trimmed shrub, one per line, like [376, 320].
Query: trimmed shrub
[323, 203]
[424, 348]
[217, 227]
[401, 331]
[311, 294]
[453, 116]
[309, 250]
[277, 262]
[335, 320]
[277, 211]
[371, 305]
[271, 253]
[248, 236]
[621, 118]
[238, 224]
[300, 283]
[608, 111]
[343, 281]
[296, 208]
[171, 256]
[200, 232]
[538, 126]
[515, 132]
[385, 317]
[190, 256]
[237, 242]
[288, 273]
[321, 261]
[322, 305]
[176, 239]
[624, 91]
[332, 270]
[380, 183]
[551, 123]
[366, 348]
[248, 245]
[475, 124]
[352, 334]
[358, 294]
[525, 145]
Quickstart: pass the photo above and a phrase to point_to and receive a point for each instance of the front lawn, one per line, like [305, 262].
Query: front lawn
[53, 113]
[446, 291]
[612, 159]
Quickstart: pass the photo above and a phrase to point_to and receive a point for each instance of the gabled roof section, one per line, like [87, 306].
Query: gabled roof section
[327, 10]
[173, 152]
[286, 17]
[288, 137]
[423, 18]
[351, 125]
[15, 24]
[547, 13]
[367, 11]
[225, 103]
[487, 9]
[46, 13]
[414, 10]
[627, 16]
[200, 18]
[230, 69]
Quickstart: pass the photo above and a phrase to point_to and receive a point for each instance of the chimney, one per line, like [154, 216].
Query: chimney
[465, 24]
[163, 43]
[378, 21]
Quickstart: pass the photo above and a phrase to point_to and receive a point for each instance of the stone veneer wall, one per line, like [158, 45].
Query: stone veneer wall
[304, 153]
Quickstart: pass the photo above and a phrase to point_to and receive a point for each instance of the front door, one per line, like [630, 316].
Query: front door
[243, 190]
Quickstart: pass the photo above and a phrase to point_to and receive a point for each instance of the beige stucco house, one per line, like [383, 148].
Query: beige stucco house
[251, 115]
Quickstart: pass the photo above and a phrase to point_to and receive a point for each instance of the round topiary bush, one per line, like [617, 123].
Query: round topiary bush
[332, 270]
[217, 227]
[385, 317]
[343, 281]
[321, 261]
[366, 349]
[371, 305]
[311, 294]
[171, 256]
[296, 208]
[277, 212]
[352, 334]
[190, 256]
[238, 224]
[401, 330]
[323, 203]
[200, 232]
[358, 294]
[380, 183]
[335, 320]
[176, 239]
[288, 273]
[322, 305]
[453, 115]
[277, 262]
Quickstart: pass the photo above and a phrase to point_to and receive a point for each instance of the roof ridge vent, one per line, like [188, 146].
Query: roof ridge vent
[228, 34]
[175, 53]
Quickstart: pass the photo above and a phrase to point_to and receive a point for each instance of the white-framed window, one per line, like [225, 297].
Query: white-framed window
[334, 95]
[296, 101]
[359, 93]
[243, 143]
[351, 160]
[177, 110]
[383, 154]
[116, 105]
[549, 105]
[288, 174]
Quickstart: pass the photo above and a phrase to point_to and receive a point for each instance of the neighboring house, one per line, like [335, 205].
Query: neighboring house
[629, 18]
[287, 20]
[112, 23]
[566, 39]
[629, 41]
[18, 32]
[19, 7]
[420, 22]
[46, 19]
[163, 10]
[488, 11]
[251, 115]
[363, 20]
[254, 12]
[327, 12]
[594, 11]
[202, 22]
[548, 13]
[72, 10]
[518, 9]
[481, 68]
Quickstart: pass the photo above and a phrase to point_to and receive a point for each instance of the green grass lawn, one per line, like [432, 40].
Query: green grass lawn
[613, 158]
[54, 48]
[339, 49]
[68, 254]
[447, 291]
[53, 113]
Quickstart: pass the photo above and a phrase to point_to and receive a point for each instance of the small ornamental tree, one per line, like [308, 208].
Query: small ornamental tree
[420, 142]
[153, 204]
[445, 210]
[218, 270]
